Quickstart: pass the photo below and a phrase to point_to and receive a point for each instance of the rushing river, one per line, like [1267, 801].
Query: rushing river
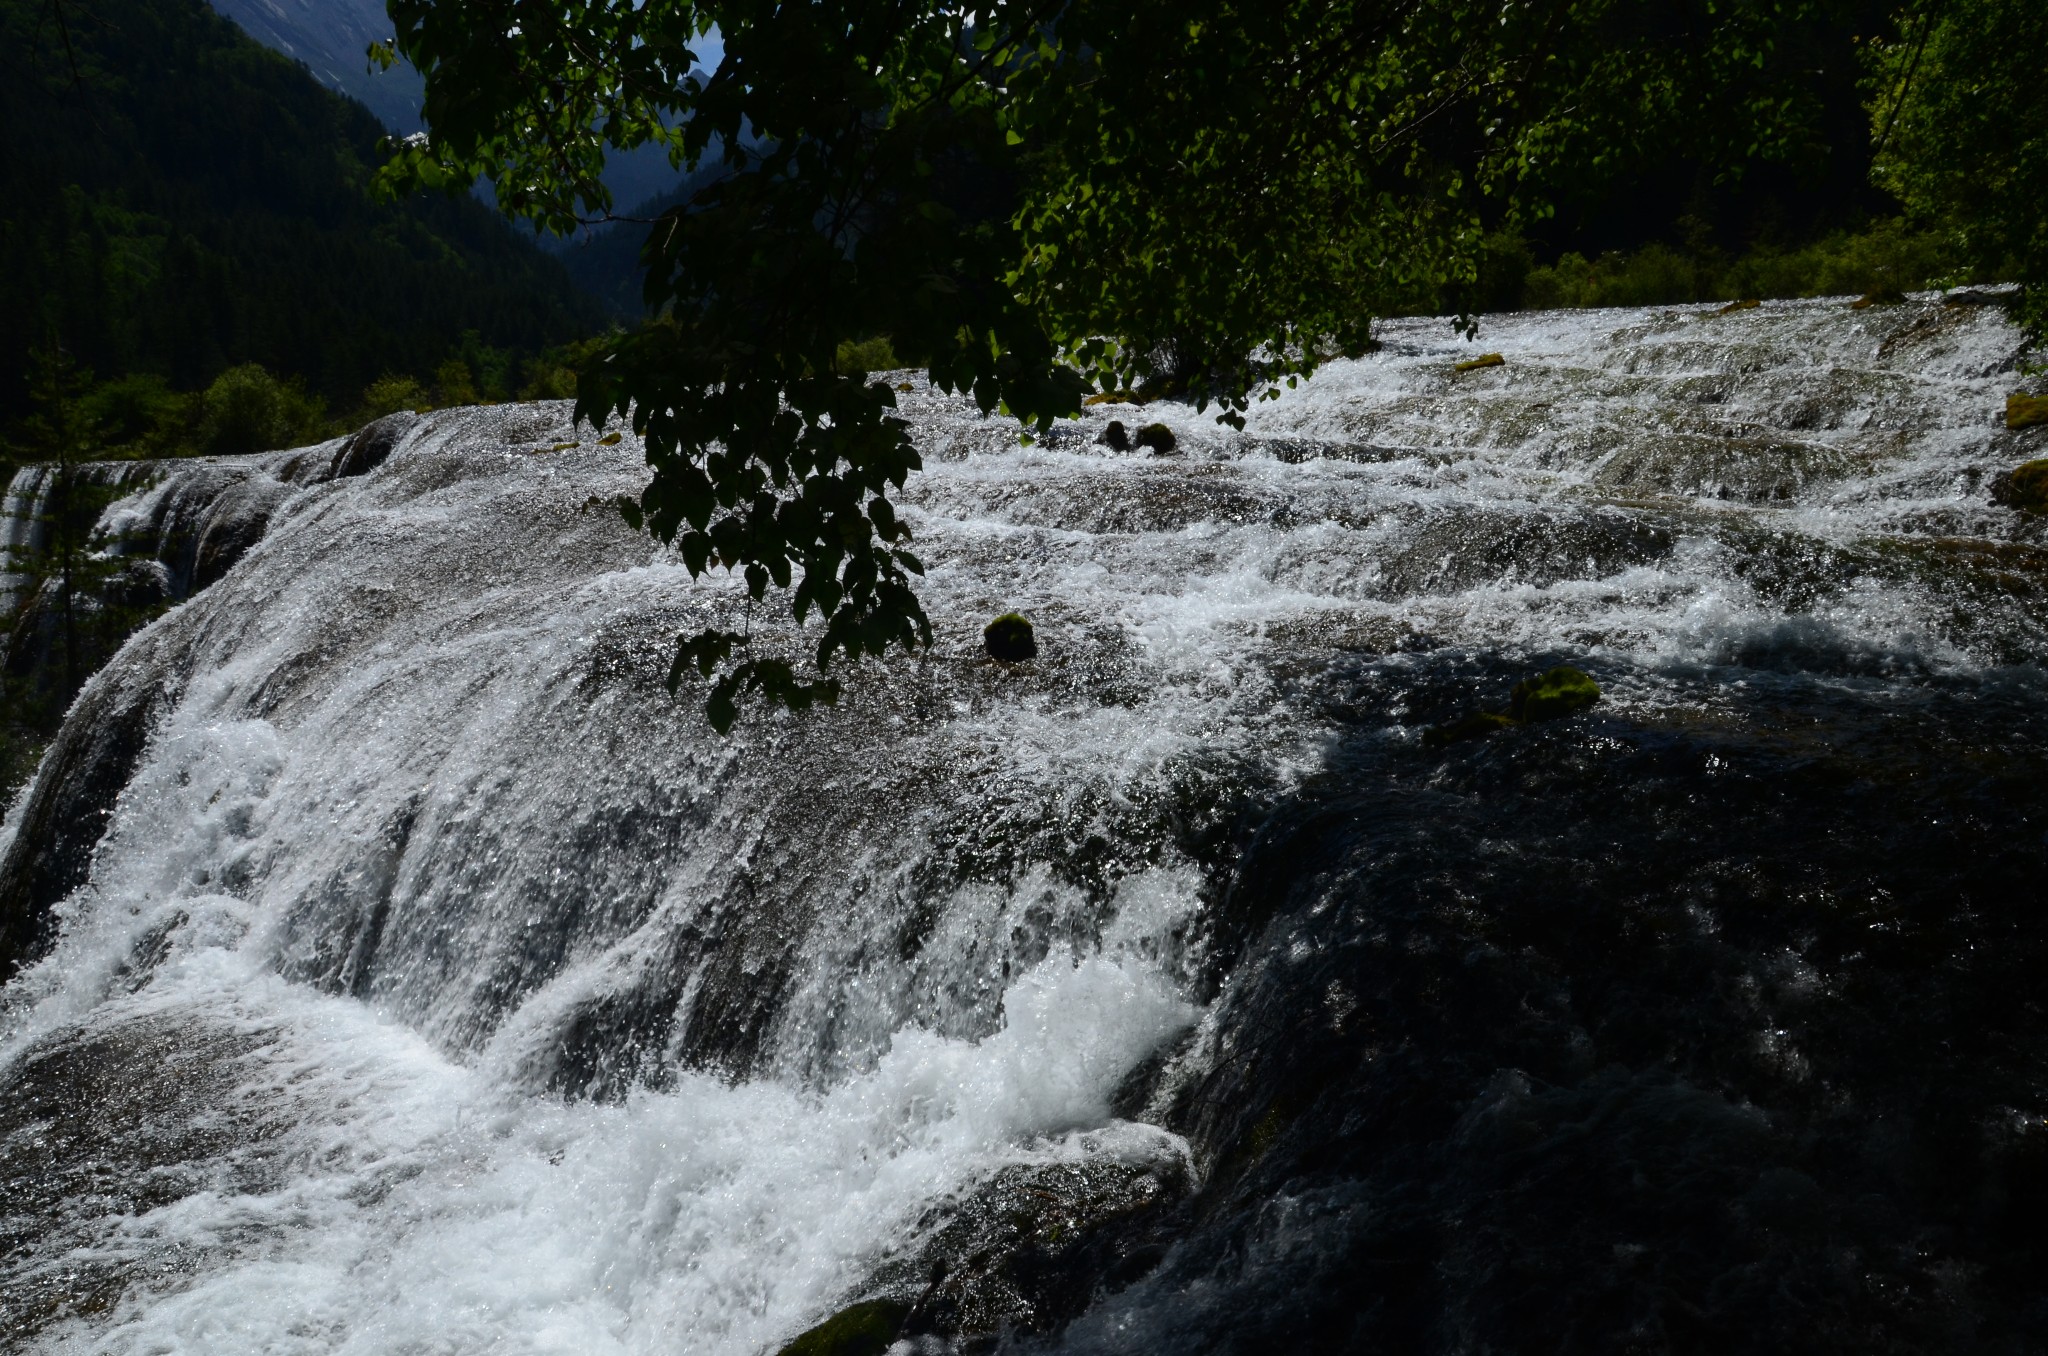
[426, 980]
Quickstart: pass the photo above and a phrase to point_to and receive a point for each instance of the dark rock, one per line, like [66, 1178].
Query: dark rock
[1158, 437]
[1026, 1251]
[1559, 692]
[2024, 487]
[368, 447]
[865, 1329]
[1115, 437]
[66, 812]
[1009, 639]
[1473, 725]
[1883, 296]
[1972, 296]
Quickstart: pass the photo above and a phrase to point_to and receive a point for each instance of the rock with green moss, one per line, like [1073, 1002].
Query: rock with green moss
[2024, 487]
[1009, 639]
[1115, 437]
[1483, 360]
[1158, 437]
[1560, 692]
[865, 1329]
[2024, 411]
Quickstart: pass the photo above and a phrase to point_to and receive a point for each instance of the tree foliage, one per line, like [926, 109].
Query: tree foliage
[1033, 199]
[1962, 117]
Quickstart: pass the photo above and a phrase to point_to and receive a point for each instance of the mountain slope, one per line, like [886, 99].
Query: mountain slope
[175, 198]
[330, 37]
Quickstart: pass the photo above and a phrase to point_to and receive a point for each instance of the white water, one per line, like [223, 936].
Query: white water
[420, 807]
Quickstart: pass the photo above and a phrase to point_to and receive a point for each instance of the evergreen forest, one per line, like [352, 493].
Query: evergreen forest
[179, 203]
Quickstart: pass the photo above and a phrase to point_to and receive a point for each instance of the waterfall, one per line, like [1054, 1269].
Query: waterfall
[425, 978]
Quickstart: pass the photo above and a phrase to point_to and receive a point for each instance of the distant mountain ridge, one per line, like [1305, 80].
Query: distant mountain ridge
[331, 37]
[176, 199]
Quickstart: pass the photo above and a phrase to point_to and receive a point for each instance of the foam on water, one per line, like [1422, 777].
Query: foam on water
[424, 844]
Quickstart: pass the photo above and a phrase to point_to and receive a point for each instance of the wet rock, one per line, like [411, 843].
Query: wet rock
[1974, 296]
[1483, 360]
[1745, 304]
[2024, 411]
[67, 810]
[1009, 639]
[1474, 725]
[2024, 487]
[236, 521]
[865, 1329]
[1883, 296]
[1157, 437]
[370, 445]
[1560, 692]
[1115, 398]
[1027, 1251]
[1116, 438]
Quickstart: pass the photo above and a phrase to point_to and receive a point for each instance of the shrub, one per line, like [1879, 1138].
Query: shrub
[248, 410]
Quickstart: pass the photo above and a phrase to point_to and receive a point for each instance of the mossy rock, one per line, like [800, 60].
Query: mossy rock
[1009, 640]
[1560, 692]
[1115, 398]
[1473, 725]
[1745, 304]
[1883, 296]
[865, 1329]
[1158, 437]
[2024, 411]
[1116, 437]
[2024, 487]
[1483, 360]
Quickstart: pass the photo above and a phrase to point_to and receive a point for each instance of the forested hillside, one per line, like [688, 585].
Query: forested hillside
[176, 200]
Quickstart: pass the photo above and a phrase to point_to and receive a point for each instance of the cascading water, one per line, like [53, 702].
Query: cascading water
[436, 983]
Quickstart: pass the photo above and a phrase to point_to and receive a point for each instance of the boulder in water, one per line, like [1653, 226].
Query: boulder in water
[1883, 296]
[1472, 725]
[1115, 398]
[1745, 304]
[1158, 437]
[1009, 640]
[1116, 438]
[2024, 487]
[865, 1329]
[1483, 360]
[1560, 692]
[2024, 411]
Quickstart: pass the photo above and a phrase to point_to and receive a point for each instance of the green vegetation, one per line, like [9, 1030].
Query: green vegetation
[181, 207]
[1889, 256]
[1961, 113]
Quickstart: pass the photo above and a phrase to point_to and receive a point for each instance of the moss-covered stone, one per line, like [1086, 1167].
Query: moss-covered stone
[1883, 296]
[2024, 487]
[1483, 360]
[1116, 437]
[1559, 692]
[1745, 304]
[1009, 639]
[1158, 437]
[2024, 411]
[1473, 725]
[865, 1329]
[1115, 398]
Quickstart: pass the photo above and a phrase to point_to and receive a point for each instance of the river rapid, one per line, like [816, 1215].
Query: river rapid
[421, 978]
